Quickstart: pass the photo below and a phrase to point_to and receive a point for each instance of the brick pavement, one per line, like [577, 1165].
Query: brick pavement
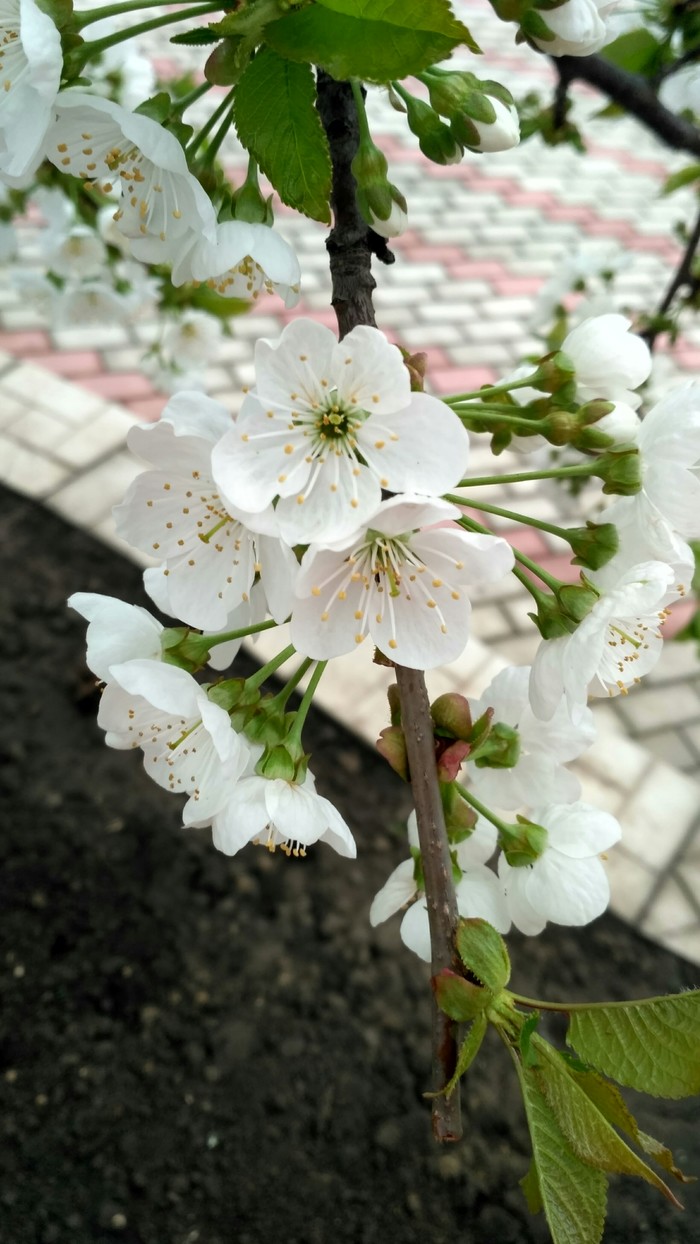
[483, 237]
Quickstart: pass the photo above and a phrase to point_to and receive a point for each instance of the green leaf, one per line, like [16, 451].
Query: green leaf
[468, 1051]
[157, 107]
[530, 1185]
[572, 1194]
[634, 51]
[529, 1054]
[197, 37]
[608, 1099]
[590, 1135]
[684, 177]
[375, 40]
[651, 1045]
[459, 998]
[483, 952]
[278, 124]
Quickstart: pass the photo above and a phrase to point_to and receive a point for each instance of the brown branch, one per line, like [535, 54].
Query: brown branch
[350, 248]
[683, 275]
[635, 95]
[439, 884]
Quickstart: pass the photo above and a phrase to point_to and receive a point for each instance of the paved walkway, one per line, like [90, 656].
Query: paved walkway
[484, 236]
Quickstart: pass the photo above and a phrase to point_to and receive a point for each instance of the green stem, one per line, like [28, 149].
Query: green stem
[295, 732]
[470, 524]
[256, 680]
[213, 640]
[279, 702]
[489, 390]
[517, 518]
[481, 808]
[97, 46]
[181, 105]
[88, 16]
[362, 122]
[538, 1005]
[208, 126]
[524, 477]
[213, 148]
[494, 416]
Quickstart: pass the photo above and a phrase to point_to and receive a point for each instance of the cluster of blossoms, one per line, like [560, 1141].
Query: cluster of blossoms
[337, 501]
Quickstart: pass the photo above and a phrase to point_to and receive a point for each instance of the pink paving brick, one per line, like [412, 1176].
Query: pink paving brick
[560, 566]
[528, 541]
[73, 364]
[516, 286]
[530, 198]
[120, 386]
[473, 270]
[420, 253]
[24, 343]
[461, 379]
[148, 409]
[681, 613]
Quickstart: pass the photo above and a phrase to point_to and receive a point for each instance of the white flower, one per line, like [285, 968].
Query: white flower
[402, 581]
[328, 425]
[91, 302]
[578, 27]
[57, 210]
[545, 747]
[188, 742]
[479, 892]
[275, 813]
[567, 884]
[118, 632]
[669, 445]
[79, 255]
[593, 260]
[681, 91]
[622, 424]
[394, 224]
[175, 511]
[191, 340]
[644, 535]
[32, 63]
[610, 361]
[615, 645]
[162, 204]
[243, 260]
[500, 134]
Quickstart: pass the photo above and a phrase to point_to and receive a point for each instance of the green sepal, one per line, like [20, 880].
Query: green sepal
[391, 744]
[501, 750]
[483, 953]
[60, 12]
[461, 999]
[651, 1045]
[522, 843]
[577, 599]
[468, 1051]
[593, 544]
[157, 107]
[276, 763]
[535, 27]
[621, 471]
[198, 36]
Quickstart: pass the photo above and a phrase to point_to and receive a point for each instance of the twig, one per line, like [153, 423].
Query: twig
[439, 884]
[636, 95]
[350, 251]
[683, 275]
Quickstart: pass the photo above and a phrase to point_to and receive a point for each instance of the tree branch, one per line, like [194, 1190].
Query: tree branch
[683, 275]
[439, 884]
[635, 95]
[350, 250]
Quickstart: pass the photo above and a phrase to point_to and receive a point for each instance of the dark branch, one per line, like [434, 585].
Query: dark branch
[348, 244]
[683, 275]
[635, 95]
[439, 884]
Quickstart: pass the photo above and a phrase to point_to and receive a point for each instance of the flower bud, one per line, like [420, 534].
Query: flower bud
[523, 843]
[560, 428]
[276, 763]
[435, 139]
[451, 715]
[577, 599]
[593, 544]
[391, 744]
[553, 372]
[247, 203]
[460, 819]
[622, 472]
[382, 205]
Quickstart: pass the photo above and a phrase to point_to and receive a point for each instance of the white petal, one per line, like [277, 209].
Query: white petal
[290, 371]
[398, 889]
[578, 830]
[369, 373]
[415, 930]
[567, 891]
[166, 687]
[480, 895]
[423, 448]
[117, 632]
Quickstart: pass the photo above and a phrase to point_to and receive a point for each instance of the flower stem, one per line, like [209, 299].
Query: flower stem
[481, 808]
[256, 680]
[88, 16]
[226, 636]
[95, 47]
[470, 524]
[362, 122]
[196, 142]
[492, 414]
[491, 390]
[517, 518]
[440, 893]
[307, 700]
[279, 702]
[181, 105]
[213, 148]
[524, 477]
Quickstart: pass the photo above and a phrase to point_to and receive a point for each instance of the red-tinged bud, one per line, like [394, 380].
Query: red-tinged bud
[391, 744]
[451, 714]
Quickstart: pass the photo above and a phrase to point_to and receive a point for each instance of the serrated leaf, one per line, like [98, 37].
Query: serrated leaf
[434, 18]
[468, 1051]
[358, 47]
[199, 36]
[684, 177]
[278, 124]
[483, 952]
[651, 1045]
[459, 998]
[588, 1132]
[572, 1194]
[610, 1102]
[529, 1054]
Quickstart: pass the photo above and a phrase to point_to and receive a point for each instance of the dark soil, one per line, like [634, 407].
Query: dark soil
[198, 1050]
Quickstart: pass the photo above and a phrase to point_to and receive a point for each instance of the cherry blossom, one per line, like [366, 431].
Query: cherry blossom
[615, 645]
[32, 63]
[401, 580]
[610, 361]
[479, 892]
[210, 559]
[328, 425]
[578, 27]
[188, 742]
[568, 883]
[118, 632]
[162, 204]
[274, 812]
[242, 260]
[544, 746]
[500, 134]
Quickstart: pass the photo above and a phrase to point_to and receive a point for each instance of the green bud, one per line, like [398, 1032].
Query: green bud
[553, 372]
[501, 750]
[435, 139]
[391, 744]
[577, 599]
[622, 472]
[379, 201]
[560, 427]
[593, 544]
[595, 410]
[451, 715]
[268, 728]
[460, 999]
[534, 26]
[523, 843]
[247, 203]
